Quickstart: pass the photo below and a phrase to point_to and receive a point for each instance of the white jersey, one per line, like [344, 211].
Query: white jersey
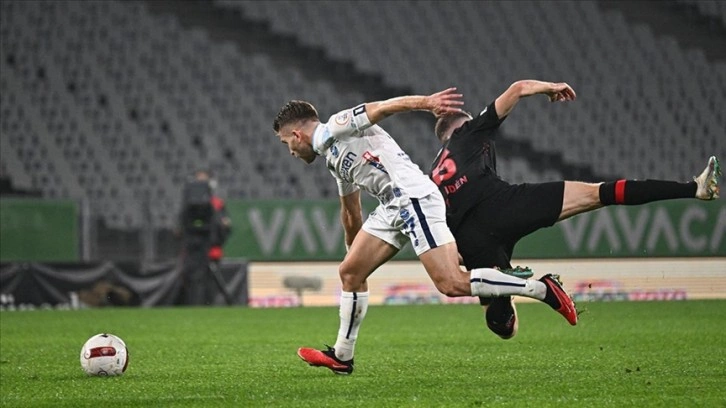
[361, 155]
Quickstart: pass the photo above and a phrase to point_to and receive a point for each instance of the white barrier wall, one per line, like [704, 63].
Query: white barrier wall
[586, 280]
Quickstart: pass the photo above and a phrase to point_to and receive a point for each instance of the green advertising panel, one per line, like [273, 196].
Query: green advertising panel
[283, 230]
[274, 230]
[665, 229]
[38, 230]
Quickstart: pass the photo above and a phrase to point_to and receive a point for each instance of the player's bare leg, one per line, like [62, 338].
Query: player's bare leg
[442, 265]
[582, 197]
[366, 254]
[579, 197]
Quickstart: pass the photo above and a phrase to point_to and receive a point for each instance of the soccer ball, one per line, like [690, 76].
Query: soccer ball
[103, 355]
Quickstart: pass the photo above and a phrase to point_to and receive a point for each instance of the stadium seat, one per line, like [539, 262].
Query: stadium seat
[106, 99]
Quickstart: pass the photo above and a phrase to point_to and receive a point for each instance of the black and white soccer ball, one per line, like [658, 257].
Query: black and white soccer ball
[104, 355]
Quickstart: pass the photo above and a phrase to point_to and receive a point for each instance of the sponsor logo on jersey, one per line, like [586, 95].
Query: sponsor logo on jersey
[347, 164]
[334, 151]
[455, 186]
[374, 161]
[342, 118]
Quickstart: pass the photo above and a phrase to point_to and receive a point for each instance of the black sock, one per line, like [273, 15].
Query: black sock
[636, 192]
[485, 301]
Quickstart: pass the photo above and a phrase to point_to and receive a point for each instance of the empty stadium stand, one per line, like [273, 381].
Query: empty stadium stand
[632, 86]
[118, 102]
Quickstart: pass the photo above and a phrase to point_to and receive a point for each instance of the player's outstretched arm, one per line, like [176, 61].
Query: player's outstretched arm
[441, 103]
[351, 216]
[557, 92]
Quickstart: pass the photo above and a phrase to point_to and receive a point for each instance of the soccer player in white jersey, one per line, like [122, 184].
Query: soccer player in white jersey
[361, 155]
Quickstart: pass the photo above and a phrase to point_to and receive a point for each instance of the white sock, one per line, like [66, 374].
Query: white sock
[353, 307]
[492, 283]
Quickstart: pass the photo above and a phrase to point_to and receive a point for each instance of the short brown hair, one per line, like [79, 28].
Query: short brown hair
[294, 111]
[444, 123]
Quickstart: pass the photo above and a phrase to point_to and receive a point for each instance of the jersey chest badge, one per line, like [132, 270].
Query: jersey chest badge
[374, 161]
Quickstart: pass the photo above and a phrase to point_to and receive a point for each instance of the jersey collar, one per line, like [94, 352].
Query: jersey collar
[322, 140]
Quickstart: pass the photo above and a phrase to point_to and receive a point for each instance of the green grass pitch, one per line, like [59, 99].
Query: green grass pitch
[670, 354]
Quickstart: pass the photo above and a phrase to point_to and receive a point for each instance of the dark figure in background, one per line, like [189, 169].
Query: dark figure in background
[205, 227]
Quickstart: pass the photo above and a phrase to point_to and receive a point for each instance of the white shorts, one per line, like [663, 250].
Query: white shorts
[419, 220]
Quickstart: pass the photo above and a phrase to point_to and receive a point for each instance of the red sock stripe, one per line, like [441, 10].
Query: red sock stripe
[620, 192]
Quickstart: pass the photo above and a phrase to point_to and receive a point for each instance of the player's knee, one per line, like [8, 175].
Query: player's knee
[349, 276]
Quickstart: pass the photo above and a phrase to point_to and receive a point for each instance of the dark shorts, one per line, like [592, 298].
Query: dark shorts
[488, 233]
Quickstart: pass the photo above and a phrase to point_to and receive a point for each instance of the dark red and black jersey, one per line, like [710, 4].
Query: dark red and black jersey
[466, 167]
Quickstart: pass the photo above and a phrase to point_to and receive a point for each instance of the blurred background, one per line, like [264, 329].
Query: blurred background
[107, 109]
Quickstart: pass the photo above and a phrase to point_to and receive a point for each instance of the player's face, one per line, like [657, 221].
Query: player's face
[297, 145]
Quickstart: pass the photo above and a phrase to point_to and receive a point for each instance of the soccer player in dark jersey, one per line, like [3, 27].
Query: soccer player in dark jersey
[488, 215]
